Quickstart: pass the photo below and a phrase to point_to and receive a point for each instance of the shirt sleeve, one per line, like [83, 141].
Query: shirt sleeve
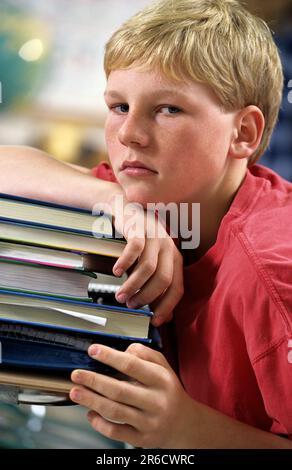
[104, 171]
[274, 375]
[267, 318]
[268, 340]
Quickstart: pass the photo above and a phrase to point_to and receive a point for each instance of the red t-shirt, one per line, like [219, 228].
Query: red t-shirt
[233, 326]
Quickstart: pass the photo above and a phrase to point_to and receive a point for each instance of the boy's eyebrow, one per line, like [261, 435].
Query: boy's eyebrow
[157, 93]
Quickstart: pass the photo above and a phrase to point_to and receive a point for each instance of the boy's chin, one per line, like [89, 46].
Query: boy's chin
[138, 197]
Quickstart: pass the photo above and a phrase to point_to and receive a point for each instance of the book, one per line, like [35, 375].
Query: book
[55, 216]
[47, 357]
[90, 233]
[64, 315]
[48, 255]
[38, 371]
[56, 257]
[39, 353]
[49, 238]
[18, 276]
[33, 388]
[36, 364]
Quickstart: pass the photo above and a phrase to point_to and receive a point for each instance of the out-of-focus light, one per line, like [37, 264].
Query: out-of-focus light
[31, 50]
[38, 410]
[34, 424]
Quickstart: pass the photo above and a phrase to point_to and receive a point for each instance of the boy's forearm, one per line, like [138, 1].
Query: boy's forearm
[209, 429]
[28, 172]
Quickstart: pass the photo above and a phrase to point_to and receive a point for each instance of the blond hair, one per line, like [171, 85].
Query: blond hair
[217, 42]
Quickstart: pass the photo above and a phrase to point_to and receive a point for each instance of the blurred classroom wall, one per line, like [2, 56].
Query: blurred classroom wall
[51, 55]
[51, 69]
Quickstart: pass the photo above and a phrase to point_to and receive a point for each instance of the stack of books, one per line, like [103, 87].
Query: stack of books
[49, 256]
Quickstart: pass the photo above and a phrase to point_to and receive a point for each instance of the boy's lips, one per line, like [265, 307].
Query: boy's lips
[136, 168]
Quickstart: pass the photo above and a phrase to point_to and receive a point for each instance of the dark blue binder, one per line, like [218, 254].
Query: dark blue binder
[44, 357]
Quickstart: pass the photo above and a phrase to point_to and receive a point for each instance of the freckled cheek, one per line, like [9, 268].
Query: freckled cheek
[180, 150]
[111, 133]
[113, 144]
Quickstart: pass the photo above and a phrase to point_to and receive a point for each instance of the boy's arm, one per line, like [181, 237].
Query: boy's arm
[83, 169]
[157, 275]
[29, 172]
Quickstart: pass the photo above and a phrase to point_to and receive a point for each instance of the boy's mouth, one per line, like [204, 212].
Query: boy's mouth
[136, 168]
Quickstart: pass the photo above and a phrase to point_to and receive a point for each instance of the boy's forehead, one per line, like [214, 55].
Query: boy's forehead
[152, 82]
[158, 81]
[140, 73]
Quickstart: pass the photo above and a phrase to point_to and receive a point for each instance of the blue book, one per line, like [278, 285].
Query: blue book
[54, 216]
[35, 222]
[39, 335]
[66, 315]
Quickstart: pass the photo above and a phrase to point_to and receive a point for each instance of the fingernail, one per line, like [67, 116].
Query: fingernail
[77, 375]
[93, 350]
[118, 272]
[121, 298]
[76, 394]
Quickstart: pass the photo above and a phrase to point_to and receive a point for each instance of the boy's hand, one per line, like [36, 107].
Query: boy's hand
[157, 278]
[151, 410]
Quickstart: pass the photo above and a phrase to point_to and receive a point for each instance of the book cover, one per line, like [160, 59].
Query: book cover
[39, 236]
[68, 315]
[55, 216]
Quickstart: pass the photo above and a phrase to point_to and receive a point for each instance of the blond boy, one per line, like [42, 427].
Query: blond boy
[194, 88]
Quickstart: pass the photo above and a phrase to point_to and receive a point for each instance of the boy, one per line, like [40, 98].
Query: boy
[193, 93]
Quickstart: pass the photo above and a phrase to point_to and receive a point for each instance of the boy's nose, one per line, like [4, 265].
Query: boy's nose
[133, 133]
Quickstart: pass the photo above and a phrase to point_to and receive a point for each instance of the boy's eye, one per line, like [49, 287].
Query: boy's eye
[169, 110]
[121, 108]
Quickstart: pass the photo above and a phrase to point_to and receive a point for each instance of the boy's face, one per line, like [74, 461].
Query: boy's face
[177, 130]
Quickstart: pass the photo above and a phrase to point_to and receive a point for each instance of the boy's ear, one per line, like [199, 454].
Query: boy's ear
[248, 131]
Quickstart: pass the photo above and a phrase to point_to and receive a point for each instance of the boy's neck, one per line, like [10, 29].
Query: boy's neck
[212, 212]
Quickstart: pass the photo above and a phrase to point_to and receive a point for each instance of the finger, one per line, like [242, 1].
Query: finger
[143, 371]
[147, 354]
[144, 269]
[164, 307]
[117, 432]
[107, 408]
[130, 254]
[128, 393]
[157, 284]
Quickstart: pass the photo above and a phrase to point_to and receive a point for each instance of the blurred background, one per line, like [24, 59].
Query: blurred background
[51, 97]
[51, 54]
